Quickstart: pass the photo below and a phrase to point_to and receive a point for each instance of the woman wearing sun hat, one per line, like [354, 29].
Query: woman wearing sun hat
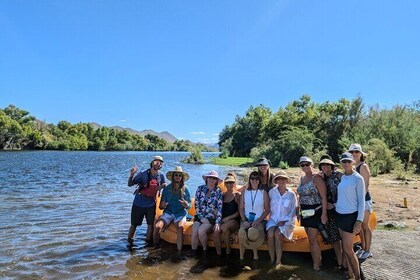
[208, 207]
[332, 178]
[254, 206]
[282, 216]
[350, 208]
[230, 216]
[363, 169]
[175, 202]
[312, 197]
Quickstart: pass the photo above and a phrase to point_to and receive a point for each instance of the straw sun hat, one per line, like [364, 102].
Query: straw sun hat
[178, 169]
[252, 237]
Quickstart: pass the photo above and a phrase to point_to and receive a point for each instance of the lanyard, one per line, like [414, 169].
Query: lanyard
[253, 199]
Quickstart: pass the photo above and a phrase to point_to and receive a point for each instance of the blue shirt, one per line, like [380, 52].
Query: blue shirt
[174, 206]
[351, 195]
[142, 178]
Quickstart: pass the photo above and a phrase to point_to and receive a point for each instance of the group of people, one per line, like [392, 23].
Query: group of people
[337, 204]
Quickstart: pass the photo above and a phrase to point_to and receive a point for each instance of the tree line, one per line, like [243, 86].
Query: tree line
[21, 131]
[303, 127]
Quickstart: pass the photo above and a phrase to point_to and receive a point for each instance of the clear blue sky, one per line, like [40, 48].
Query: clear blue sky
[189, 67]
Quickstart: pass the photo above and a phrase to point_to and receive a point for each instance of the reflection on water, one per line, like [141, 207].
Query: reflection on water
[66, 215]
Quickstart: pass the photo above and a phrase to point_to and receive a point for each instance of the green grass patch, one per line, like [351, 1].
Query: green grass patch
[232, 161]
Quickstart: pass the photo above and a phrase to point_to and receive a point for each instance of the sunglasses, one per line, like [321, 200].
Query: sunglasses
[177, 175]
[354, 152]
[254, 179]
[346, 161]
[212, 178]
[304, 164]
[229, 183]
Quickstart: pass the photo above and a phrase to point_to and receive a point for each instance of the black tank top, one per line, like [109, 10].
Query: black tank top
[229, 208]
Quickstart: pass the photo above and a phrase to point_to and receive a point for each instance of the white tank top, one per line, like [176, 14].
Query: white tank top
[254, 202]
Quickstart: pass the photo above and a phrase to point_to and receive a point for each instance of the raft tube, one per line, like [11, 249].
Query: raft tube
[299, 243]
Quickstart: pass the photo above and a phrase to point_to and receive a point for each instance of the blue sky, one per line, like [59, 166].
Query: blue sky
[189, 67]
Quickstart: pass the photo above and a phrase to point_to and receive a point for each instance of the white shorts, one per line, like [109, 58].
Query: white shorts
[368, 206]
[169, 218]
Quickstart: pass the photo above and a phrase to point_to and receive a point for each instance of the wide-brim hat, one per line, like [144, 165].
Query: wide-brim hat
[305, 159]
[213, 174]
[346, 156]
[356, 147]
[281, 174]
[178, 169]
[327, 161]
[252, 237]
[262, 161]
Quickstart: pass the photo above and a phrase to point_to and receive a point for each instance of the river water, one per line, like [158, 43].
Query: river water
[65, 215]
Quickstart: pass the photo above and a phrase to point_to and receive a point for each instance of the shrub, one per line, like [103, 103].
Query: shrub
[283, 165]
[195, 156]
[381, 158]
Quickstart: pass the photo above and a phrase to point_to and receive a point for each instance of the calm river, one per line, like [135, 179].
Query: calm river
[65, 215]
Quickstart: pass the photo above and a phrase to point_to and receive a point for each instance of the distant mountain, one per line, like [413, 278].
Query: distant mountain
[164, 134]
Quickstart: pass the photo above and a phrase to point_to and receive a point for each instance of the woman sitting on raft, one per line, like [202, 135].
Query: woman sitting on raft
[175, 202]
[230, 216]
[282, 216]
[208, 211]
[254, 207]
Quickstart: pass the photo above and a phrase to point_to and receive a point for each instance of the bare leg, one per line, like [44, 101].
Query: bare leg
[227, 229]
[132, 231]
[353, 262]
[149, 233]
[270, 243]
[218, 241]
[279, 245]
[156, 232]
[367, 232]
[203, 232]
[338, 252]
[194, 236]
[315, 249]
[180, 235]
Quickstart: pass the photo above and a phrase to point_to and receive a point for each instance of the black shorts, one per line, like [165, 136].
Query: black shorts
[345, 222]
[138, 213]
[312, 221]
[211, 220]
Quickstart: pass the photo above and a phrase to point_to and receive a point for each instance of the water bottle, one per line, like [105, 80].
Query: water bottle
[323, 232]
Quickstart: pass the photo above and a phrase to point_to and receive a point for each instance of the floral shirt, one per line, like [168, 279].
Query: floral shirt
[209, 207]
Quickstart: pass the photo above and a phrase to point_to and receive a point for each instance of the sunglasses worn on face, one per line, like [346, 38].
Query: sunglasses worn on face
[177, 175]
[354, 152]
[305, 164]
[212, 178]
[254, 178]
[346, 161]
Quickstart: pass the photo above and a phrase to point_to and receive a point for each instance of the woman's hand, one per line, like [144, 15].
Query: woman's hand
[204, 221]
[330, 206]
[184, 203]
[246, 224]
[357, 227]
[281, 223]
[163, 205]
[216, 228]
[255, 223]
[324, 218]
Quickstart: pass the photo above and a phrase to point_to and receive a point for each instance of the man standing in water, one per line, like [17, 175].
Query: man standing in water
[149, 182]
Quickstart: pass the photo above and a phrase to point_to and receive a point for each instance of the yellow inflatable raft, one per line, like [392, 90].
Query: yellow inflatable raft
[300, 241]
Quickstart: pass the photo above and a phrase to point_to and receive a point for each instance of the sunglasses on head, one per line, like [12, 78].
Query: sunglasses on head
[305, 164]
